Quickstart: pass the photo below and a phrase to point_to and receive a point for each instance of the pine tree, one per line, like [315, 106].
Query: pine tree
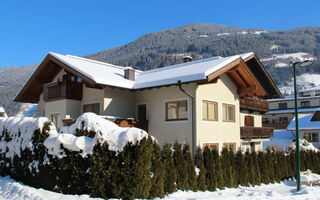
[157, 171]
[292, 160]
[228, 166]
[103, 172]
[242, 169]
[181, 167]
[170, 174]
[218, 167]
[278, 168]
[270, 164]
[257, 178]
[191, 174]
[251, 174]
[209, 164]
[201, 178]
[265, 177]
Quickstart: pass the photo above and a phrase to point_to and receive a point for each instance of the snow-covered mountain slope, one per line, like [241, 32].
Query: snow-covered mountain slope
[304, 81]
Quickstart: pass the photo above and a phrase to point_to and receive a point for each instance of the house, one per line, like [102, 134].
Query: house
[281, 110]
[2, 112]
[309, 127]
[217, 101]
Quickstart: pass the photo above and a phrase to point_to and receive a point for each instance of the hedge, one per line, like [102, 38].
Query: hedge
[144, 170]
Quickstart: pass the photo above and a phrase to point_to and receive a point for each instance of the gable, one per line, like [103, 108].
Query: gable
[45, 73]
[241, 75]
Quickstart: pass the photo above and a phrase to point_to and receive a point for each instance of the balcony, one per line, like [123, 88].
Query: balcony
[276, 125]
[249, 132]
[254, 104]
[62, 90]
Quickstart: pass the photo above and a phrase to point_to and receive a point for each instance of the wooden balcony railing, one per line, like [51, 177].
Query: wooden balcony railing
[254, 104]
[276, 125]
[62, 90]
[248, 132]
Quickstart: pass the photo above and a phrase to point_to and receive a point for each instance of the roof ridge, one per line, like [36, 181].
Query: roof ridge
[183, 64]
[94, 61]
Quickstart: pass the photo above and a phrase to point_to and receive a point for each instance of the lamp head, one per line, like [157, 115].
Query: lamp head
[305, 63]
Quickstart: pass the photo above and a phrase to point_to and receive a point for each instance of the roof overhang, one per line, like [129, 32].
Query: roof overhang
[45, 73]
[239, 72]
[263, 76]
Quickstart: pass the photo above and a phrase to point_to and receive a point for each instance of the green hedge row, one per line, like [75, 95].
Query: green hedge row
[145, 170]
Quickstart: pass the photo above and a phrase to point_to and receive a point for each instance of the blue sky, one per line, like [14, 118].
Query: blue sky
[30, 29]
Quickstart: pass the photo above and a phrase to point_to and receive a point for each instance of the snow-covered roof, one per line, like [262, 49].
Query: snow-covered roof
[108, 74]
[305, 123]
[100, 72]
[301, 110]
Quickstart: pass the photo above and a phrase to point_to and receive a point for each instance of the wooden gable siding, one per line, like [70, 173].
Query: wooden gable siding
[241, 75]
[45, 73]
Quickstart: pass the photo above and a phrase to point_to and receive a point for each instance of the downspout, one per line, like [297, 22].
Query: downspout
[194, 138]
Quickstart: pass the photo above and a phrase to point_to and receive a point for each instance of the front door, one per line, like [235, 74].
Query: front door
[142, 112]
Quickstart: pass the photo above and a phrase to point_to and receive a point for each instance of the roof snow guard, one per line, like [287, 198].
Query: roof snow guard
[249, 77]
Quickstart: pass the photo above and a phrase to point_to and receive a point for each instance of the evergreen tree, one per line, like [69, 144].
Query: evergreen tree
[265, 178]
[251, 170]
[218, 167]
[277, 167]
[170, 174]
[157, 171]
[270, 164]
[191, 173]
[209, 164]
[257, 178]
[201, 178]
[228, 165]
[241, 169]
[293, 164]
[181, 166]
[103, 171]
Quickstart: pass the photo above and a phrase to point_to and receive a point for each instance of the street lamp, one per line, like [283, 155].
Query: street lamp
[301, 64]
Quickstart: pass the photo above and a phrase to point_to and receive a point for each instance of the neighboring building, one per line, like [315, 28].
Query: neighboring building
[281, 110]
[2, 112]
[309, 127]
[216, 101]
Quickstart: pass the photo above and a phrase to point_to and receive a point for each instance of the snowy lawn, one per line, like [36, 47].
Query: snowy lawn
[10, 189]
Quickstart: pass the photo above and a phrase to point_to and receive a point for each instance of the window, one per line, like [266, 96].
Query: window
[283, 106]
[230, 146]
[209, 110]
[55, 119]
[311, 137]
[228, 113]
[213, 146]
[95, 108]
[177, 110]
[283, 119]
[305, 104]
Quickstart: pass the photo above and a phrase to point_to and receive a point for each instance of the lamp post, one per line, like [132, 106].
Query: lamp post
[301, 64]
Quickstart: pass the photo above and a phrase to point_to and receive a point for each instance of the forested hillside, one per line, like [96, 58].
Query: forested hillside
[276, 49]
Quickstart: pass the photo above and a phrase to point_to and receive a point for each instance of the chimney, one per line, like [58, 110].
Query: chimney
[187, 59]
[129, 73]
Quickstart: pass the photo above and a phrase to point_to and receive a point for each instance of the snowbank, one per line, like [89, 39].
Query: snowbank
[11, 189]
[106, 131]
[304, 145]
[20, 130]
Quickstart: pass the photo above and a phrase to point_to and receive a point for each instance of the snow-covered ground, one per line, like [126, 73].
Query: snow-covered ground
[11, 189]
[281, 138]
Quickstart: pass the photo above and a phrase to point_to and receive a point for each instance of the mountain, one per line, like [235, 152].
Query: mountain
[276, 49]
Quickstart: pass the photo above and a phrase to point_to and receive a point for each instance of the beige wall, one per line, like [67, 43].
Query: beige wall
[155, 99]
[257, 118]
[119, 102]
[224, 91]
[92, 95]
